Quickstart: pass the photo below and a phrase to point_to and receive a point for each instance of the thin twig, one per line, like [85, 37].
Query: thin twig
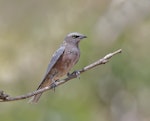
[5, 97]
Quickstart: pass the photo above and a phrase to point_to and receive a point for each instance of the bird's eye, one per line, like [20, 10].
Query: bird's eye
[75, 36]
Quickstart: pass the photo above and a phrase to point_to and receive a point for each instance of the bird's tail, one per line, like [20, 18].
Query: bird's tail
[35, 98]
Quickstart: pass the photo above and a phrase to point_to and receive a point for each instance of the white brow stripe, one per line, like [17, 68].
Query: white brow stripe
[74, 33]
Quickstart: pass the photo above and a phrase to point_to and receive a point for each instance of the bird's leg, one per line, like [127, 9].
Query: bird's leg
[53, 85]
[68, 74]
[57, 80]
[76, 73]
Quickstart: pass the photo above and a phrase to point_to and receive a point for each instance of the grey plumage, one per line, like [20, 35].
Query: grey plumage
[62, 61]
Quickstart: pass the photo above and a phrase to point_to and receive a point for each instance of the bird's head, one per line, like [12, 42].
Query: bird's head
[74, 37]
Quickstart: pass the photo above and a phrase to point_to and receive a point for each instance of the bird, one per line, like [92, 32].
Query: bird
[61, 62]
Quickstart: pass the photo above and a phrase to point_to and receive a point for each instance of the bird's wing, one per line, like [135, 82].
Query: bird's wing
[54, 59]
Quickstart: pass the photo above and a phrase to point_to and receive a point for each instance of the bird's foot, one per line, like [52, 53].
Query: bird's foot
[75, 73]
[53, 85]
[68, 74]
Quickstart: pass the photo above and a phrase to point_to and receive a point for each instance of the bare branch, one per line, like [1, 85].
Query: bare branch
[5, 97]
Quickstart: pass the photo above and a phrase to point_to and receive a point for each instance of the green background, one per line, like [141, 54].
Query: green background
[31, 30]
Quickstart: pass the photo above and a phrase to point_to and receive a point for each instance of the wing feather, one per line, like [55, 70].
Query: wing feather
[54, 59]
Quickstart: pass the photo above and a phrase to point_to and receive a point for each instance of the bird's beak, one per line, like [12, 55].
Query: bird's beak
[83, 36]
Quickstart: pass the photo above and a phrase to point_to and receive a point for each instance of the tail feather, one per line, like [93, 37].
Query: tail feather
[43, 84]
[35, 98]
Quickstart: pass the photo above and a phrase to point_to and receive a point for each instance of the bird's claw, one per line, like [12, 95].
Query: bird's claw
[53, 85]
[68, 74]
[75, 73]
